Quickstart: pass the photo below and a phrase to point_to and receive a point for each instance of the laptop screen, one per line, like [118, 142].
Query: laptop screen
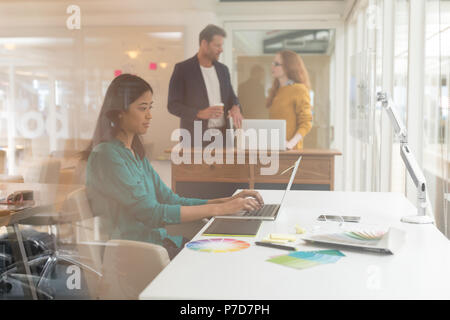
[291, 180]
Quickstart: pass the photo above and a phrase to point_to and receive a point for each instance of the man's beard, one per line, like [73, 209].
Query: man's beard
[213, 57]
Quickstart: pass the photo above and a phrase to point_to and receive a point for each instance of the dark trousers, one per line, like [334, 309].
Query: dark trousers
[172, 248]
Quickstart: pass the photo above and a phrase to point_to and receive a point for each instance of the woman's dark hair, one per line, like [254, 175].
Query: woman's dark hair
[123, 91]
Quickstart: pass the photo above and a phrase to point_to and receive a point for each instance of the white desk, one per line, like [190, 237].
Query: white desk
[420, 270]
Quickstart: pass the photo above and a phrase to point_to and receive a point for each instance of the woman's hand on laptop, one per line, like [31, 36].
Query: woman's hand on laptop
[219, 207]
[249, 193]
[246, 200]
[237, 205]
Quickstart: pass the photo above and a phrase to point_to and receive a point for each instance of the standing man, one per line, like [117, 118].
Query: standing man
[200, 88]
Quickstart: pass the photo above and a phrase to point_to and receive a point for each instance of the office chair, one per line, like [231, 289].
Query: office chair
[75, 208]
[125, 268]
[43, 171]
[149, 259]
[122, 272]
[128, 267]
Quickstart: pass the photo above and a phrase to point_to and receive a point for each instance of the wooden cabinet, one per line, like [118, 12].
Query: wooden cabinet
[210, 172]
[312, 170]
[316, 168]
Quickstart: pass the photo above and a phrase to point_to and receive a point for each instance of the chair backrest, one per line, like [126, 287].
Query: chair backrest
[2, 161]
[128, 267]
[79, 175]
[87, 240]
[43, 171]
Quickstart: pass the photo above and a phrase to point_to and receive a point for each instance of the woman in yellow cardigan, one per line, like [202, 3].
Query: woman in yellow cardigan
[289, 97]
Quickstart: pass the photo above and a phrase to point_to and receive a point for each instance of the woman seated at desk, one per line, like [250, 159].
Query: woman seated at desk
[289, 97]
[122, 186]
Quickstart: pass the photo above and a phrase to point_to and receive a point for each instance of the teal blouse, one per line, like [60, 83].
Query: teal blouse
[130, 197]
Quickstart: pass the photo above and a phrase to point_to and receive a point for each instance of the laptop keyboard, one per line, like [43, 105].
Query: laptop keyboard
[266, 211]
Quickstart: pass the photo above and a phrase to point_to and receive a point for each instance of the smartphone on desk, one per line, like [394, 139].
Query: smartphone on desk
[329, 217]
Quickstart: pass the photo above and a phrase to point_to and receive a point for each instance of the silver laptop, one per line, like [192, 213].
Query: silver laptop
[257, 134]
[268, 211]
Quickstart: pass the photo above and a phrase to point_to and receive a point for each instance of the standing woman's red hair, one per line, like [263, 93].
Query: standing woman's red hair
[289, 97]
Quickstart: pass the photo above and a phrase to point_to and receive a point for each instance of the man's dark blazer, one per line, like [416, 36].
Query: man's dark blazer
[188, 95]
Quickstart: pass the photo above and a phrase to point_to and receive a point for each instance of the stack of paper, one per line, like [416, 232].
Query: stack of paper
[307, 259]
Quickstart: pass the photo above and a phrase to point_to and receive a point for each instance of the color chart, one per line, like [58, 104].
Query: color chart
[218, 245]
[308, 259]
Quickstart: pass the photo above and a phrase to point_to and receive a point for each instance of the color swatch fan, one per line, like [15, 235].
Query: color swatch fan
[218, 245]
[352, 237]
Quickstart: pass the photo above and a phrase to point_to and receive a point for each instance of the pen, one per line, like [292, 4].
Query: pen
[276, 246]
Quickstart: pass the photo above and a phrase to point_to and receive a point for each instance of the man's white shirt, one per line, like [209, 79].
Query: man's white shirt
[214, 98]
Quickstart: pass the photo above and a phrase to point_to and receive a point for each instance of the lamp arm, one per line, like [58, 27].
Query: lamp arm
[399, 128]
[417, 176]
[408, 158]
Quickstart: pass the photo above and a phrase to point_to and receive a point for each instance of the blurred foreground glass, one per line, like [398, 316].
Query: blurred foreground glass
[53, 80]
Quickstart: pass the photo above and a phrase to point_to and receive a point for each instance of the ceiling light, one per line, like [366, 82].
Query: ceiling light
[24, 73]
[9, 46]
[132, 54]
[166, 35]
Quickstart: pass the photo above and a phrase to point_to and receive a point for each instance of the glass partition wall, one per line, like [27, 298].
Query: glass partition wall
[435, 108]
[391, 51]
[52, 84]
[252, 55]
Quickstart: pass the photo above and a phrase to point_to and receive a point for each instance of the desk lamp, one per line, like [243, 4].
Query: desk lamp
[410, 162]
